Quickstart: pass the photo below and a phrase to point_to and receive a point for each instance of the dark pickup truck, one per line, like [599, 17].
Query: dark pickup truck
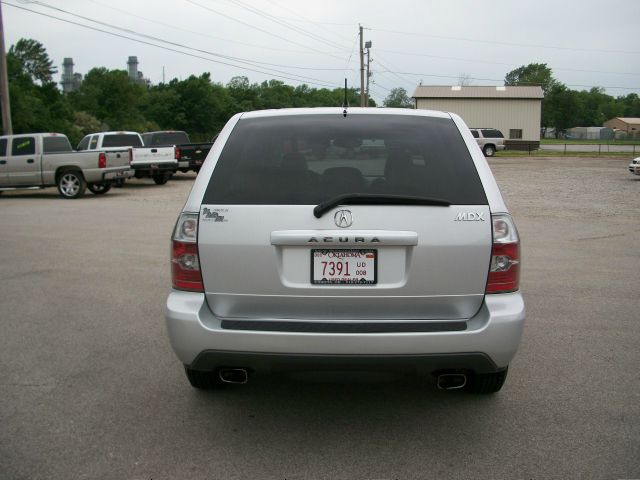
[190, 156]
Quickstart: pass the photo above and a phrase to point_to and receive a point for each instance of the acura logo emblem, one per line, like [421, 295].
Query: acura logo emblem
[343, 218]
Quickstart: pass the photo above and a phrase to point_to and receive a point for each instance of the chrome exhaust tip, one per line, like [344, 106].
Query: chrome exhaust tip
[451, 381]
[233, 375]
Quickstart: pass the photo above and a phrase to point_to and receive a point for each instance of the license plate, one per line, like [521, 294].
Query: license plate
[154, 166]
[344, 267]
[120, 173]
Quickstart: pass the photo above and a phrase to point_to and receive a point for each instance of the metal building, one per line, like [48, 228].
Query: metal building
[515, 111]
[135, 76]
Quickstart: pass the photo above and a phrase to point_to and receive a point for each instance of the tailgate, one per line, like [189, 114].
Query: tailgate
[153, 156]
[257, 262]
[117, 159]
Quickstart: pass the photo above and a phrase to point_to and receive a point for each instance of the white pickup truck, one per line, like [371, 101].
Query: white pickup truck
[158, 163]
[46, 159]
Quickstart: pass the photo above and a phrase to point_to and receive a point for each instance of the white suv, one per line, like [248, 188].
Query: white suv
[368, 238]
[490, 140]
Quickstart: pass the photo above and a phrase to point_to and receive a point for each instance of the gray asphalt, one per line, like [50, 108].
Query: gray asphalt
[89, 386]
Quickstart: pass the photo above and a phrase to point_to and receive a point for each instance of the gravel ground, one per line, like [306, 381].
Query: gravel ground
[89, 386]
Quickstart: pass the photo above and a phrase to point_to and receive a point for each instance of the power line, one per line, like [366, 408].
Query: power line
[260, 29]
[207, 52]
[489, 62]
[502, 80]
[268, 16]
[494, 42]
[175, 27]
[89, 27]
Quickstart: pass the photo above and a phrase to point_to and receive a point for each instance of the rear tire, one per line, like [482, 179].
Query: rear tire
[99, 188]
[71, 184]
[203, 380]
[489, 150]
[486, 382]
[161, 178]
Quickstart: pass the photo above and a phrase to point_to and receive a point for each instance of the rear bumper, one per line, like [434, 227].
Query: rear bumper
[117, 174]
[487, 344]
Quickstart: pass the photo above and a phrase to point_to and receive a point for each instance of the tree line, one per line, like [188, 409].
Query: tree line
[108, 100]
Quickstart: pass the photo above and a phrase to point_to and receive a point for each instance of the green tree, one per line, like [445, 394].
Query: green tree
[398, 98]
[561, 108]
[109, 96]
[35, 107]
[532, 74]
[34, 60]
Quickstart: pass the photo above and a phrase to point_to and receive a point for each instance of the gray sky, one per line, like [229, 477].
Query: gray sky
[586, 43]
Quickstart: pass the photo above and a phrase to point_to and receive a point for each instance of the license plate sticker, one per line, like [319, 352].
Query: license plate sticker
[344, 267]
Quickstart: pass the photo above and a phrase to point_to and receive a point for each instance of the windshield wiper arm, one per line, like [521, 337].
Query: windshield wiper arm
[376, 199]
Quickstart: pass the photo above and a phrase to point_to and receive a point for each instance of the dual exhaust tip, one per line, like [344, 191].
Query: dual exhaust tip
[445, 381]
[233, 375]
[451, 381]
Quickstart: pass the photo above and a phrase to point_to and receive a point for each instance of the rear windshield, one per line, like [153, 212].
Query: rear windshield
[165, 139]
[56, 144]
[121, 140]
[307, 159]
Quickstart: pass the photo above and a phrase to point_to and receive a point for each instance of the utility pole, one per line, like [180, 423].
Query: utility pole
[362, 104]
[367, 45]
[4, 84]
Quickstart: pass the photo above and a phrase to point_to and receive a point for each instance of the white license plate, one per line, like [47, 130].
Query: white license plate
[344, 267]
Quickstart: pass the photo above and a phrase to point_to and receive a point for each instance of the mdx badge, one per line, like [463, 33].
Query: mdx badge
[343, 218]
[470, 217]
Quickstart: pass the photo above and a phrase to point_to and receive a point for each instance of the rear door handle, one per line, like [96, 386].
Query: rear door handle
[30, 160]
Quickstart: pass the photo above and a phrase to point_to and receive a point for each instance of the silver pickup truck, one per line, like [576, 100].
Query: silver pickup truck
[46, 159]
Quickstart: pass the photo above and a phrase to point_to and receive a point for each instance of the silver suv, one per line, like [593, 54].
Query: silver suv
[360, 239]
[490, 140]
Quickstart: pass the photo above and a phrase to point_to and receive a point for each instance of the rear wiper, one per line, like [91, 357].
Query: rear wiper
[376, 199]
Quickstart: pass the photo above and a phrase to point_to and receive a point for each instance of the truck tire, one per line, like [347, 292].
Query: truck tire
[71, 184]
[161, 178]
[489, 150]
[486, 382]
[99, 188]
[203, 380]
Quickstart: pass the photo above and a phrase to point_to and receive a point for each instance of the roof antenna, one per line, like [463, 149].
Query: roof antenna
[345, 104]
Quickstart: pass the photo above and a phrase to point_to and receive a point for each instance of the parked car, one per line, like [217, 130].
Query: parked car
[105, 141]
[313, 239]
[634, 166]
[190, 156]
[110, 141]
[46, 159]
[489, 139]
[159, 163]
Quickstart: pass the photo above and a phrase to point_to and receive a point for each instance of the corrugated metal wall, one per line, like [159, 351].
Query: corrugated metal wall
[503, 114]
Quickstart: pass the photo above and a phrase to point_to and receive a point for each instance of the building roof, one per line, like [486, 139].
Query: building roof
[430, 91]
[629, 120]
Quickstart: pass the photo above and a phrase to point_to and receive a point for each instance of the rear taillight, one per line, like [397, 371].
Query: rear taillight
[130, 155]
[178, 153]
[185, 263]
[504, 271]
[102, 160]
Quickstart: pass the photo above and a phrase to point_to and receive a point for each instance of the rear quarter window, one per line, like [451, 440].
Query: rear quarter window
[84, 143]
[121, 140]
[56, 144]
[3, 147]
[307, 159]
